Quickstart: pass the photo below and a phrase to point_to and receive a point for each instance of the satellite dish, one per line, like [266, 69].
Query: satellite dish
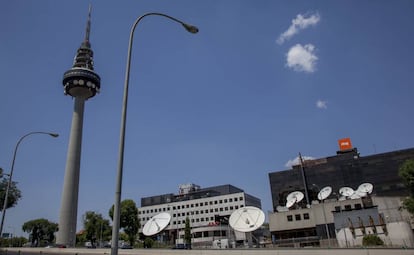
[360, 193]
[290, 202]
[293, 197]
[346, 191]
[295, 194]
[247, 219]
[355, 195]
[324, 193]
[156, 224]
[365, 188]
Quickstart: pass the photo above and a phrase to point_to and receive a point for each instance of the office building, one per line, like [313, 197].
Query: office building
[341, 220]
[208, 210]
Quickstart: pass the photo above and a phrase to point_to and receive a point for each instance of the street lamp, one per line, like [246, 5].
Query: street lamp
[11, 172]
[117, 204]
[324, 216]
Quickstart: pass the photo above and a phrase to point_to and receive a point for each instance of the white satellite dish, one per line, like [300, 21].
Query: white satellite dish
[365, 188]
[355, 195]
[295, 194]
[293, 197]
[324, 193]
[291, 202]
[247, 219]
[360, 193]
[156, 224]
[346, 191]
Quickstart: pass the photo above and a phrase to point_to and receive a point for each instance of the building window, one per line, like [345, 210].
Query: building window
[187, 206]
[216, 209]
[297, 217]
[358, 206]
[220, 201]
[348, 207]
[289, 218]
[211, 202]
[241, 198]
[196, 204]
[230, 200]
[215, 202]
[211, 210]
[225, 200]
[235, 199]
[231, 207]
[226, 208]
[337, 208]
[306, 216]
[221, 209]
[236, 207]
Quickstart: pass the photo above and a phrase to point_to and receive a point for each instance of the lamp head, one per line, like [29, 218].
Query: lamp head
[54, 134]
[190, 28]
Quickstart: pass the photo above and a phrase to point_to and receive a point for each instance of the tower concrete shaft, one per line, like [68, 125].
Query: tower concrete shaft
[82, 83]
[69, 205]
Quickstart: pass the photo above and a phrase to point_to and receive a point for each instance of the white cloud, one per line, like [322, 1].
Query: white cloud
[296, 161]
[302, 58]
[299, 23]
[321, 104]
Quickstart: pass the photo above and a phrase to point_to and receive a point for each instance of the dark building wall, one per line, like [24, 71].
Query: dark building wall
[343, 170]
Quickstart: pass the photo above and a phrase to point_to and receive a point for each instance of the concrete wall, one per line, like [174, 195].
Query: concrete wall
[24, 251]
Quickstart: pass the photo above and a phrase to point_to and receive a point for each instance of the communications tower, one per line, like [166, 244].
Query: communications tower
[82, 83]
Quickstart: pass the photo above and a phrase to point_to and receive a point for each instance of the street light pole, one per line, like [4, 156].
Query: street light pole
[117, 204]
[11, 172]
[324, 217]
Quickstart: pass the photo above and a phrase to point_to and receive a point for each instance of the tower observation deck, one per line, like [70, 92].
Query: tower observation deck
[81, 80]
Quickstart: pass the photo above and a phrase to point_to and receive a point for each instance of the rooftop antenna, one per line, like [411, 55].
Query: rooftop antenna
[88, 27]
[305, 185]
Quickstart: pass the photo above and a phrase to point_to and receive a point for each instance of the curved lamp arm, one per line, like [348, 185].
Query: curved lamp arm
[11, 172]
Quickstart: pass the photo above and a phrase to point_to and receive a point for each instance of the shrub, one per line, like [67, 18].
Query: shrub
[372, 240]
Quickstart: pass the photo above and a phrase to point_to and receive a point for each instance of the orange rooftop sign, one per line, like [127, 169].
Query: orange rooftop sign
[345, 144]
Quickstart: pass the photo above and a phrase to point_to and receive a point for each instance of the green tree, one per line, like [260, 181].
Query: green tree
[187, 232]
[148, 242]
[406, 172]
[95, 227]
[41, 231]
[13, 196]
[129, 219]
[372, 240]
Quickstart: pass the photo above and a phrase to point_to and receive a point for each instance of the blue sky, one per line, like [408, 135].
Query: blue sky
[261, 82]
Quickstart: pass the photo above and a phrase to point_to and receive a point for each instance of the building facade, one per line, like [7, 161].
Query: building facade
[208, 210]
[341, 220]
